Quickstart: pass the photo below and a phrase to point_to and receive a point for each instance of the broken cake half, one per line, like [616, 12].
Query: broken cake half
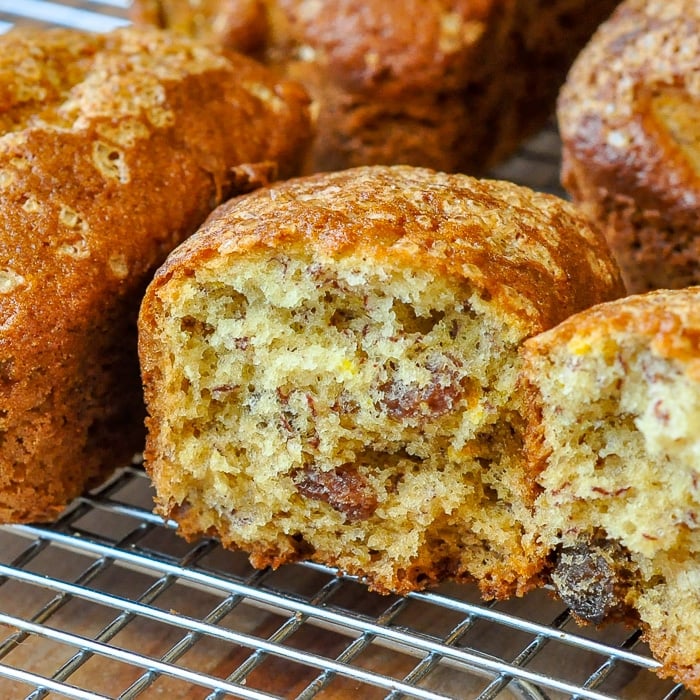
[330, 369]
[615, 435]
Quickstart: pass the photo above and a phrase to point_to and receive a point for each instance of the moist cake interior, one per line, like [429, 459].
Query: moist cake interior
[621, 488]
[354, 409]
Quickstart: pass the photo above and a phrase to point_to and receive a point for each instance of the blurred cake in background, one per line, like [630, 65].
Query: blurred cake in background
[454, 85]
[629, 117]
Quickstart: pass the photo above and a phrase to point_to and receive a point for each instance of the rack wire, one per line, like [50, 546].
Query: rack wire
[108, 602]
[97, 16]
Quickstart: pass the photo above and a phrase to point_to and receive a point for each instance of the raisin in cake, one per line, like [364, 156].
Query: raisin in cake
[330, 368]
[615, 410]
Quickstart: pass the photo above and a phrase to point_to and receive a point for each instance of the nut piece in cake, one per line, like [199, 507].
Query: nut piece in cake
[614, 417]
[330, 370]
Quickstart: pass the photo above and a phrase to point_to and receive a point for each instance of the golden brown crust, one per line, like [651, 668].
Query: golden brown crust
[454, 85]
[532, 252]
[237, 24]
[628, 117]
[115, 148]
[668, 322]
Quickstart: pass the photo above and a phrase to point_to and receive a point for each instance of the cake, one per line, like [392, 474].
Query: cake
[455, 86]
[629, 118]
[614, 440]
[330, 369]
[113, 148]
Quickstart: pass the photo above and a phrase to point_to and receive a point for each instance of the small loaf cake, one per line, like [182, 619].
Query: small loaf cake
[615, 437]
[113, 148]
[454, 85]
[629, 117]
[330, 368]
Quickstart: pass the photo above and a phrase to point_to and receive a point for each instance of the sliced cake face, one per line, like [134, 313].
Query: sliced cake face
[331, 368]
[341, 407]
[624, 423]
[618, 390]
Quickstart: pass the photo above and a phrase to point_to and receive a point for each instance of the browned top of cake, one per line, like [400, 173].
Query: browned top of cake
[113, 148]
[238, 24]
[529, 252]
[112, 140]
[631, 107]
[395, 46]
[668, 321]
[454, 85]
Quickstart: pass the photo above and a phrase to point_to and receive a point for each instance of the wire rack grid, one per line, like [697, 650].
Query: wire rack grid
[107, 602]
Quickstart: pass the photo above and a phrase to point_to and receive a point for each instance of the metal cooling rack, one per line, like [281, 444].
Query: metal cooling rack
[97, 16]
[107, 602]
